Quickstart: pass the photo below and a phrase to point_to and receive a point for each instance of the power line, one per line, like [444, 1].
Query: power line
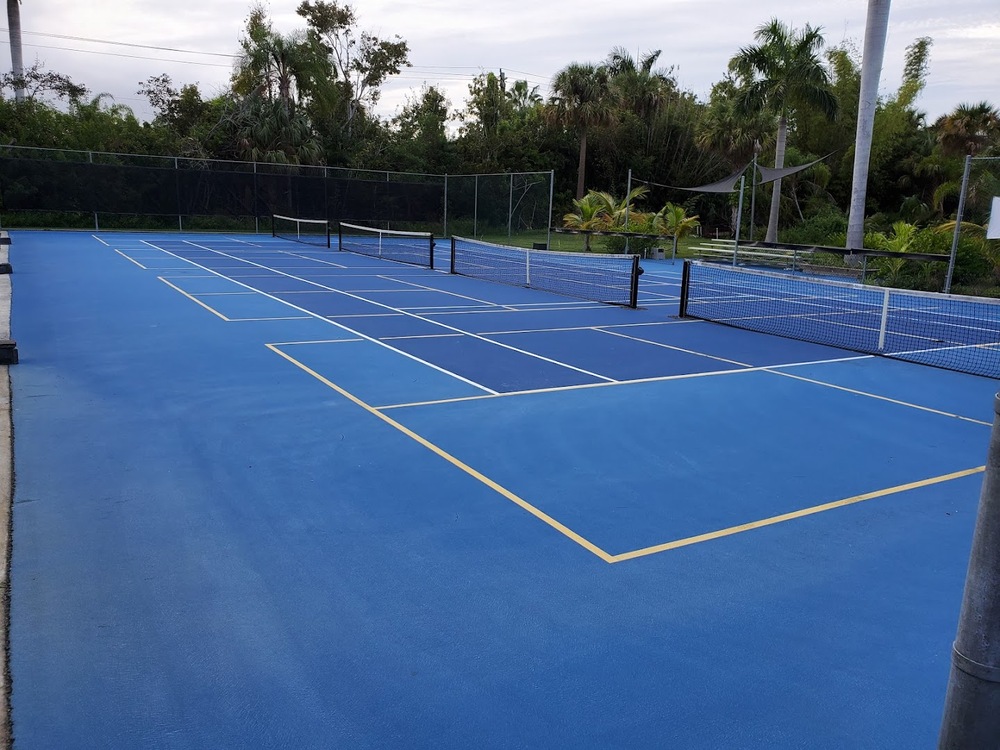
[118, 54]
[123, 44]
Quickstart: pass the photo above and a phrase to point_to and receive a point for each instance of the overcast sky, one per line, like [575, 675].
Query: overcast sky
[452, 41]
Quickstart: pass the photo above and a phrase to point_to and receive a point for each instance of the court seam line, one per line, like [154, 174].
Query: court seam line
[793, 515]
[316, 341]
[317, 316]
[194, 299]
[413, 315]
[247, 293]
[260, 320]
[424, 287]
[454, 461]
[636, 381]
[127, 257]
[674, 348]
[888, 399]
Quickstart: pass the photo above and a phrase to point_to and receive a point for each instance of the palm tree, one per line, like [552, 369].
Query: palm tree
[970, 129]
[781, 72]
[639, 88]
[590, 214]
[673, 220]
[617, 210]
[579, 103]
[16, 59]
[871, 69]
[523, 97]
[899, 241]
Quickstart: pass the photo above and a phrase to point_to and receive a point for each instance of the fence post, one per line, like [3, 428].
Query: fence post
[958, 223]
[177, 192]
[972, 704]
[510, 206]
[548, 226]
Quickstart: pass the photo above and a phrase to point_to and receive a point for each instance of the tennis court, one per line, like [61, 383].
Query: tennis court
[269, 494]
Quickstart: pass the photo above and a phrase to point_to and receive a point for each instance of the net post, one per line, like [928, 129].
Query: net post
[340, 236]
[274, 229]
[328, 235]
[633, 292]
[430, 242]
[685, 284]
[972, 703]
[452, 269]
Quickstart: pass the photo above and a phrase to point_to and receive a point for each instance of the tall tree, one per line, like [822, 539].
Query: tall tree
[579, 102]
[871, 70]
[16, 58]
[361, 61]
[640, 88]
[779, 73]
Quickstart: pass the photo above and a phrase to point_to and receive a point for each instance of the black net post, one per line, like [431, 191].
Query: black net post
[452, 270]
[972, 705]
[685, 282]
[633, 294]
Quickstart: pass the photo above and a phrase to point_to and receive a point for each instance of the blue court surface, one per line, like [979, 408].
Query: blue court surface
[271, 495]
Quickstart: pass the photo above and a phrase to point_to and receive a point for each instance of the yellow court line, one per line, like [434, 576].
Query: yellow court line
[458, 463]
[793, 515]
[194, 299]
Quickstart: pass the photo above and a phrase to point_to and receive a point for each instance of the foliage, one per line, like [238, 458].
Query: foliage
[36, 81]
[308, 96]
[779, 75]
[601, 211]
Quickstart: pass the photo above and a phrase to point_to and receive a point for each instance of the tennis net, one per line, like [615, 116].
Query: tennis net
[309, 231]
[949, 331]
[416, 248]
[600, 278]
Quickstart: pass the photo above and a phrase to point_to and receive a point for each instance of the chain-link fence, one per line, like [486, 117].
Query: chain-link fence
[88, 189]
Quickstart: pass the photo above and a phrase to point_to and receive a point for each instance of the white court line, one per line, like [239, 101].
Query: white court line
[335, 323]
[100, 240]
[418, 317]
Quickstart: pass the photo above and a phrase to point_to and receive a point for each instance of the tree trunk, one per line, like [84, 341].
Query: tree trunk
[17, 62]
[871, 70]
[582, 166]
[779, 162]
